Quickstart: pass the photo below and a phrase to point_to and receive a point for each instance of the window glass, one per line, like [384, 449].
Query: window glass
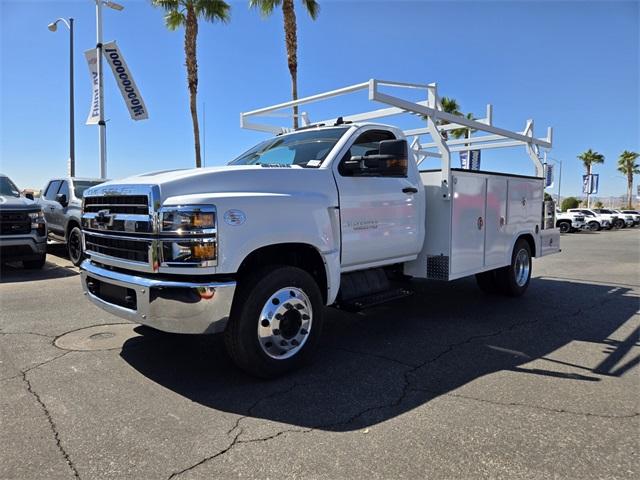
[367, 143]
[8, 188]
[79, 186]
[52, 189]
[298, 148]
[64, 189]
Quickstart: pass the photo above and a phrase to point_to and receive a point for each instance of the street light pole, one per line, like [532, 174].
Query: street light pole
[102, 126]
[72, 144]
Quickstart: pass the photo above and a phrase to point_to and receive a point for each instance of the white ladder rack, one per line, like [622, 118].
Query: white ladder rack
[429, 110]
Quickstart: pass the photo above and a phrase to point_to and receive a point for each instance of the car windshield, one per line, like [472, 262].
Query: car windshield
[8, 188]
[79, 186]
[307, 148]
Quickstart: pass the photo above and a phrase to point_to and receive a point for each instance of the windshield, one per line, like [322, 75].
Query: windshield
[79, 186]
[306, 149]
[8, 188]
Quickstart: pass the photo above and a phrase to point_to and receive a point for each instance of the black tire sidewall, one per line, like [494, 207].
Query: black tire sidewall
[35, 264]
[241, 335]
[81, 257]
[567, 226]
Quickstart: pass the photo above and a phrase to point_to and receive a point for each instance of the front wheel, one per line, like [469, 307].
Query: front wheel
[74, 246]
[618, 223]
[276, 321]
[565, 227]
[514, 279]
[594, 226]
[36, 264]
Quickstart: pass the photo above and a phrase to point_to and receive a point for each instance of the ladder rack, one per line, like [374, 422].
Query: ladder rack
[429, 111]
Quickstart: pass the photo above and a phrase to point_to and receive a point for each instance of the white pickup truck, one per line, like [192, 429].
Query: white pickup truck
[332, 213]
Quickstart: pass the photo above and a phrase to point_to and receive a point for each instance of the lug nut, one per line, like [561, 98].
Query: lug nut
[305, 316]
[283, 343]
[294, 342]
[303, 331]
[299, 306]
[276, 331]
[278, 316]
[288, 306]
[265, 323]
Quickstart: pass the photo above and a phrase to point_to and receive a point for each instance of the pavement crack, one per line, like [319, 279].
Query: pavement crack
[46, 362]
[27, 333]
[526, 405]
[52, 424]
[206, 459]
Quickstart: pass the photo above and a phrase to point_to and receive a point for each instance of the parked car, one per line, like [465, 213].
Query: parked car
[594, 221]
[615, 219]
[627, 217]
[327, 214]
[61, 203]
[634, 214]
[23, 230]
[570, 221]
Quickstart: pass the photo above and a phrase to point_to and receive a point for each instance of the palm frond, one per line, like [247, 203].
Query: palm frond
[312, 7]
[166, 4]
[174, 19]
[266, 7]
[213, 10]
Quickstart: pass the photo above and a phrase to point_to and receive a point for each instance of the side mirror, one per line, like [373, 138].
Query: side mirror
[29, 195]
[61, 198]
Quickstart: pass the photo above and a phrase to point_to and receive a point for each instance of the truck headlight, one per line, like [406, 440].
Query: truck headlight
[190, 219]
[202, 252]
[38, 223]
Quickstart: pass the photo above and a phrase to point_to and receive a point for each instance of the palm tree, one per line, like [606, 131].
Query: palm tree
[187, 13]
[590, 158]
[290, 34]
[449, 105]
[627, 166]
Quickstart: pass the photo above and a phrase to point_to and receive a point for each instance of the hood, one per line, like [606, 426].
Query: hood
[245, 179]
[18, 203]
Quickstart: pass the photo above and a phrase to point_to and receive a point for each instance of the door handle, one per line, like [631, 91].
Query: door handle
[409, 190]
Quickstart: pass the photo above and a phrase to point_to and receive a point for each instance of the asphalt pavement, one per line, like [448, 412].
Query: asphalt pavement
[448, 383]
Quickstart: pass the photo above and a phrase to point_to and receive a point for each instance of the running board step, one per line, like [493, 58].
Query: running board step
[360, 303]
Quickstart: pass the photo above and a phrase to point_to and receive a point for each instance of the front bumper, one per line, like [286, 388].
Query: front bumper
[167, 305]
[22, 247]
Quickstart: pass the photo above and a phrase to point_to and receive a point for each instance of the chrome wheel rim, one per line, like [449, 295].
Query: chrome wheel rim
[285, 323]
[522, 267]
[75, 246]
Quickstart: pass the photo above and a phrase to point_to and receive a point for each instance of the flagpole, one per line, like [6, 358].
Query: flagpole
[102, 126]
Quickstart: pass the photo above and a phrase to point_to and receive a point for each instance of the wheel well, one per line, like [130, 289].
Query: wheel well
[72, 223]
[532, 244]
[299, 255]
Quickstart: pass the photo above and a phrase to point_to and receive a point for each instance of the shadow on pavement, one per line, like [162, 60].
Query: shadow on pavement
[374, 366]
[13, 272]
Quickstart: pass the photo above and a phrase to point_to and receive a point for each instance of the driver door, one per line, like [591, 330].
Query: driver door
[380, 214]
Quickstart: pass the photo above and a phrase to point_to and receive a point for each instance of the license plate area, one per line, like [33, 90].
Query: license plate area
[113, 294]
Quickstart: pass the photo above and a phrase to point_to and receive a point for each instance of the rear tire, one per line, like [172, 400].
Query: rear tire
[74, 246]
[35, 264]
[276, 321]
[514, 279]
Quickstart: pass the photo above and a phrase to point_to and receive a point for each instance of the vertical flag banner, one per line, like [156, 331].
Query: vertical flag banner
[464, 160]
[548, 175]
[130, 93]
[595, 178]
[590, 183]
[94, 111]
[474, 163]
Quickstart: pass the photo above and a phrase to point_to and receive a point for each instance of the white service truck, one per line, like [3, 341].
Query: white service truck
[339, 212]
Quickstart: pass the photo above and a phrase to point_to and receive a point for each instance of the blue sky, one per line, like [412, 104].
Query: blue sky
[572, 65]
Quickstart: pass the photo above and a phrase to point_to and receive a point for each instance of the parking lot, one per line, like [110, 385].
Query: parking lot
[448, 383]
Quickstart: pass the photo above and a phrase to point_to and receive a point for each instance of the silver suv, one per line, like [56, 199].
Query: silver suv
[61, 203]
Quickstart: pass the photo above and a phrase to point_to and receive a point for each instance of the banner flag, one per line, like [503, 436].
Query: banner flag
[128, 88]
[470, 159]
[94, 110]
[548, 175]
[590, 183]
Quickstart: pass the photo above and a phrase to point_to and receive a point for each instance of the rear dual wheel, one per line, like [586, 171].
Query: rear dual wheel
[512, 280]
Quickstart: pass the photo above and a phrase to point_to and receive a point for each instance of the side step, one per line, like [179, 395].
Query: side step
[357, 304]
[359, 290]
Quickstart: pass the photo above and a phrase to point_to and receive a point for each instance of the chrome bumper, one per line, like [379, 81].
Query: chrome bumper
[170, 306]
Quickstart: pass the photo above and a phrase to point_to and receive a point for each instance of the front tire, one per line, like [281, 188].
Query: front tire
[276, 321]
[594, 226]
[36, 264]
[514, 279]
[565, 227]
[74, 246]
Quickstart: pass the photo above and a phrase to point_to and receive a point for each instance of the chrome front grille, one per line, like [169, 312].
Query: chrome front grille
[134, 250]
[121, 228]
[127, 204]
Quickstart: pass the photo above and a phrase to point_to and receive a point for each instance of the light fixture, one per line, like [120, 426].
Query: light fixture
[53, 26]
[114, 5]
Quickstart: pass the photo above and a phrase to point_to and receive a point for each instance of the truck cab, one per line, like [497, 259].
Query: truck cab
[335, 213]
